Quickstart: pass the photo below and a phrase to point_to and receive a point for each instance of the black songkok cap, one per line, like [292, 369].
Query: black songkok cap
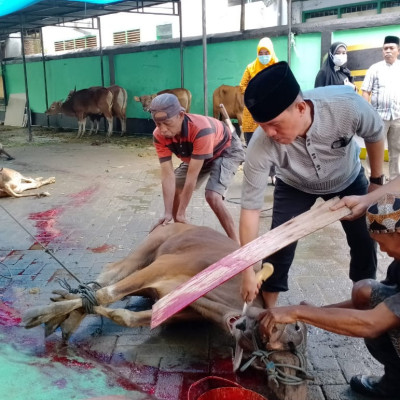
[392, 39]
[271, 92]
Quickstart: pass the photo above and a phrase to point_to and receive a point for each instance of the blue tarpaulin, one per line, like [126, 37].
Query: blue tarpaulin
[10, 6]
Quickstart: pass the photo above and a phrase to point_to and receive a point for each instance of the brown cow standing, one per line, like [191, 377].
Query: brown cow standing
[232, 98]
[184, 96]
[120, 99]
[81, 103]
[170, 256]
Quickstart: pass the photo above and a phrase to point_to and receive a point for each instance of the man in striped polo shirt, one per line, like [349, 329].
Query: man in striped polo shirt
[206, 147]
[382, 85]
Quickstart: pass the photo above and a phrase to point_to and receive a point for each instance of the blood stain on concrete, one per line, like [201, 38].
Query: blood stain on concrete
[102, 249]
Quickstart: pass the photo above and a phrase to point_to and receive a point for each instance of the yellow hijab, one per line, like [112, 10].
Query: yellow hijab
[255, 67]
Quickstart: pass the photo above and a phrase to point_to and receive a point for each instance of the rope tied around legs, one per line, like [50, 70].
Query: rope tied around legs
[87, 293]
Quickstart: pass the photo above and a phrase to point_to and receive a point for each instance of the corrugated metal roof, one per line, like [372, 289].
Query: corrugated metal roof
[52, 12]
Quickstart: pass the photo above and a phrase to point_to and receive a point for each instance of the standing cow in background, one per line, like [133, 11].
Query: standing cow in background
[184, 96]
[232, 98]
[81, 103]
[118, 110]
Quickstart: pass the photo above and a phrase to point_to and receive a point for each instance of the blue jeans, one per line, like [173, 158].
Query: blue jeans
[290, 202]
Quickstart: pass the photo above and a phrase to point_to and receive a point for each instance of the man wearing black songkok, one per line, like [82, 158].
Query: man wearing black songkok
[309, 139]
[381, 85]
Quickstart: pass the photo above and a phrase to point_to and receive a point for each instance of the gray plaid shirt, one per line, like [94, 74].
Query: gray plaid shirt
[326, 160]
[382, 80]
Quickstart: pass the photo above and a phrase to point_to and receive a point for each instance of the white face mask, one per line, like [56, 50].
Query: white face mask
[265, 59]
[339, 59]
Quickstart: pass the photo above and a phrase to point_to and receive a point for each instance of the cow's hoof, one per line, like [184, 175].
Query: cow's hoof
[10, 158]
[43, 194]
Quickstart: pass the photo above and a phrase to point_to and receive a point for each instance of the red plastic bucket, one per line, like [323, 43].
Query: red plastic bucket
[216, 388]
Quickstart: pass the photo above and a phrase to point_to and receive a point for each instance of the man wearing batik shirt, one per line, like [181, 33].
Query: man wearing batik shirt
[373, 312]
[206, 147]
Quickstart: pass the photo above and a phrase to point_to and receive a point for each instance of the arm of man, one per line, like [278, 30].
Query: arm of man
[192, 175]
[359, 204]
[349, 322]
[375, 152]
[366, 95]
[168, 188]
[248, 231]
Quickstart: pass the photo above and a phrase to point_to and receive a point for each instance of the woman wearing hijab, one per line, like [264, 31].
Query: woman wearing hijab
[334, 70]
[265, 57]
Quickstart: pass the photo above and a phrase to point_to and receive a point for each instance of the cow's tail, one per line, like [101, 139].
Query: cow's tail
[124, 100]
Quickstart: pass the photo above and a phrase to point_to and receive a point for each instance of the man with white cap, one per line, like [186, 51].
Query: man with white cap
[382, 85]
[309, 139]
[373, 312]
[206, 147]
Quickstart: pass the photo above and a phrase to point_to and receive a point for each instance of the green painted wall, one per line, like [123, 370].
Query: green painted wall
[305, 59]
[373, 37]
[66, 74]
[146, 73]
[151, 70]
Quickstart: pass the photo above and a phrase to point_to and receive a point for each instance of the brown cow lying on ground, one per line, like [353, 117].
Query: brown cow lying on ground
[81, 103]
[169, 256]
[12, 184]
[184, 96]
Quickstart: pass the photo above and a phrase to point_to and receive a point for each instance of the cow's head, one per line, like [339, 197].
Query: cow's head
[245, 329]
[55, 108]
[145, 100]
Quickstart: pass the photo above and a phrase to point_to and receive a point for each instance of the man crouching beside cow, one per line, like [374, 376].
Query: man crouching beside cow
[373, 311]
[206, 147]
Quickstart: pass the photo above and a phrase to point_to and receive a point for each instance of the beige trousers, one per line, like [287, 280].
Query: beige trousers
[392, 134]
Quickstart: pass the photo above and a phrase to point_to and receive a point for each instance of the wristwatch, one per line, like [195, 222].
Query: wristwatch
[377, 181]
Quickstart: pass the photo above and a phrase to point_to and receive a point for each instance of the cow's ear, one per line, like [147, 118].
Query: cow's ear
[136, 98]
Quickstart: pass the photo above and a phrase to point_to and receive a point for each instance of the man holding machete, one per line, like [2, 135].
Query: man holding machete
[373, 312]
[309, 139]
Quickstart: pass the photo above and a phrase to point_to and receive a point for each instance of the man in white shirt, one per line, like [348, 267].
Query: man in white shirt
[382, 85]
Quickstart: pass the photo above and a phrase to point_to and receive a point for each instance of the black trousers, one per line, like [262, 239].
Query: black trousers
[290, 202]
[382, 350]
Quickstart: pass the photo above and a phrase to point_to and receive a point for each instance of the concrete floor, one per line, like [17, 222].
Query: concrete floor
[105, 199]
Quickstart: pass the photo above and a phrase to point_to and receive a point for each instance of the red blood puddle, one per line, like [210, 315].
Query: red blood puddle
[68, 362]
[9, 316]
[102, 249]
[46, 221]
[46, 225]
[82, 197]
